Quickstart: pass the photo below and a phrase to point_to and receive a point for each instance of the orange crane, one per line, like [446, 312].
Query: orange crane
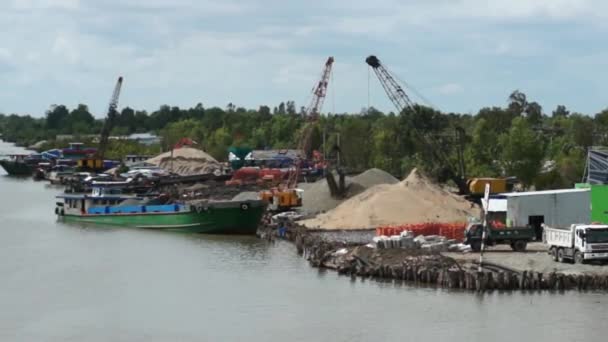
[287, 196]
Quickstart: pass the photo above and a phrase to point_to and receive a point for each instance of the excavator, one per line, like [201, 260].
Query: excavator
[96, 163]
[287, 196]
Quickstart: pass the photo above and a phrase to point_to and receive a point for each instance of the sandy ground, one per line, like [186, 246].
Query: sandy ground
[535, 259]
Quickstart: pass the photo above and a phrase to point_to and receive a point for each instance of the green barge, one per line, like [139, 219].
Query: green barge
[222, 217]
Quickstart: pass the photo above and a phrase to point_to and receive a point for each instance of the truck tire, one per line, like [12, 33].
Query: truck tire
[579, 258]
[476, 246]
[560, 255]
[553, 253]
[519, 245]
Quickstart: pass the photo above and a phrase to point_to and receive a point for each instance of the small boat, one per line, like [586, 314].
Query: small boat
[60, 173]
[21, 164]
[40, 172]
[116, 209]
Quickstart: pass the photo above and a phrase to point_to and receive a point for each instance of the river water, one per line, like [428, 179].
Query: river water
[69, 283]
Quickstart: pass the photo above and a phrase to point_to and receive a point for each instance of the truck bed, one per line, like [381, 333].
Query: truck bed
[560, 237]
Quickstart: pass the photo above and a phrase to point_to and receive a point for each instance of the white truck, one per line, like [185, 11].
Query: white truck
[579, 243]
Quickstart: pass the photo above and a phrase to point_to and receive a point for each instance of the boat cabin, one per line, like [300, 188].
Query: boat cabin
[134, 159]
[109, 201]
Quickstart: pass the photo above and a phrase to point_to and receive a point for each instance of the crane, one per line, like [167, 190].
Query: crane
[110, 121]
[402, 102]
[96, 162]
[319, 92]
[311, 117]
[288, 196]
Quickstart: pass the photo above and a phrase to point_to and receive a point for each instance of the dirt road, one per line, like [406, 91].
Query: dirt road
[535, 259]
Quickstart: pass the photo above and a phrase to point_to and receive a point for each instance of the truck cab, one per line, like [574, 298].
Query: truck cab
[592, 241]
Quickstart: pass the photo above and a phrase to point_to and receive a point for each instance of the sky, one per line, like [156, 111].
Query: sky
[460, 55]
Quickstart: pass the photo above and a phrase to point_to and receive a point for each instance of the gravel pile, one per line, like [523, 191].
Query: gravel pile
[247, 196]
[317, 198]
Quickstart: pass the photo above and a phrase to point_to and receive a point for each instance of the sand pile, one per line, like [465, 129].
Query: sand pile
[186, 161]
[317, 198]
[414, 200]
[247, 196]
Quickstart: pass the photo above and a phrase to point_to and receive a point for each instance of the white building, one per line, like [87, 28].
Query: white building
[556, 208]
[145, 138]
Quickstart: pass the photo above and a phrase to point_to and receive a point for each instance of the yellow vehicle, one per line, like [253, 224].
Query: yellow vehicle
[282, 199]
[92, 164]
[477, 186]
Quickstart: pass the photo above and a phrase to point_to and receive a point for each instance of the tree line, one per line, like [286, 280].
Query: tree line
[545, 150]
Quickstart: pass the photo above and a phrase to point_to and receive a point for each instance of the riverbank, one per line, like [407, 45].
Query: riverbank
[350, 253]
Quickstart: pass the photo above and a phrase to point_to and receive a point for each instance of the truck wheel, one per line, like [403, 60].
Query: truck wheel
[579, 258]
[560, 255]
[553, 253]
[519, 245]
[476, 246]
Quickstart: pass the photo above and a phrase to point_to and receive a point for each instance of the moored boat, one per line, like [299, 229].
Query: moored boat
[222, 217]
[20, 164]
[60, 173]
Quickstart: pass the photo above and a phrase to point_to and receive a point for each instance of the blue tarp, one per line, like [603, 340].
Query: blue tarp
[135, 209]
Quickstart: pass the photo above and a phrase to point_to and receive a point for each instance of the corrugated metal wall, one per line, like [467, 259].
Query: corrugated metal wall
[559, 210]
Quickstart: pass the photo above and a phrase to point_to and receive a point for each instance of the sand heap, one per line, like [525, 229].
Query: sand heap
[317, 198]
[186, 161]
[414, 200]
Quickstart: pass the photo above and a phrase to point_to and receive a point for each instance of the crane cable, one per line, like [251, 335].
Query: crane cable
[369, 76]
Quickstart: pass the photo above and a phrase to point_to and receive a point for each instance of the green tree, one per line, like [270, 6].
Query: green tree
[522, 153]
[560, 111]
[56, 117]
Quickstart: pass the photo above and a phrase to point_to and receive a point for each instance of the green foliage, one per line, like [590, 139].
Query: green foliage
[522, 153]
[517, 139]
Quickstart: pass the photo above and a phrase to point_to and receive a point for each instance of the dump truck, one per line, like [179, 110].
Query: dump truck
[517, 238]
[579, 243]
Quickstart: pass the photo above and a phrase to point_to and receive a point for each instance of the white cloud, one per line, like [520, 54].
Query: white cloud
[5, 54]
[64, 47]
[45, 4]
[450, 89]
[265, 51]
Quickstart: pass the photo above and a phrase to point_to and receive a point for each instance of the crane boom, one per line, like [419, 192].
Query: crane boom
[402, 101]
[394, 91]
[110, 120]
[312, 115]
[320, 91]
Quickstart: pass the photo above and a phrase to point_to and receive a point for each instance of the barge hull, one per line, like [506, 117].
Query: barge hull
[212, 220]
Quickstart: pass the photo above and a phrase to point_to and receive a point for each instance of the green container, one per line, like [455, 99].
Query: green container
[599, 203]
[240, 153]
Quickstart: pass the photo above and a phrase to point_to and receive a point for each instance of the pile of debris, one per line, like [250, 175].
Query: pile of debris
[430, 243]
[187, 161]
[414, 200]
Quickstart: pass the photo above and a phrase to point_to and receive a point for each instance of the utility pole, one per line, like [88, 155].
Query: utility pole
[324, 149]
[486, 206]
